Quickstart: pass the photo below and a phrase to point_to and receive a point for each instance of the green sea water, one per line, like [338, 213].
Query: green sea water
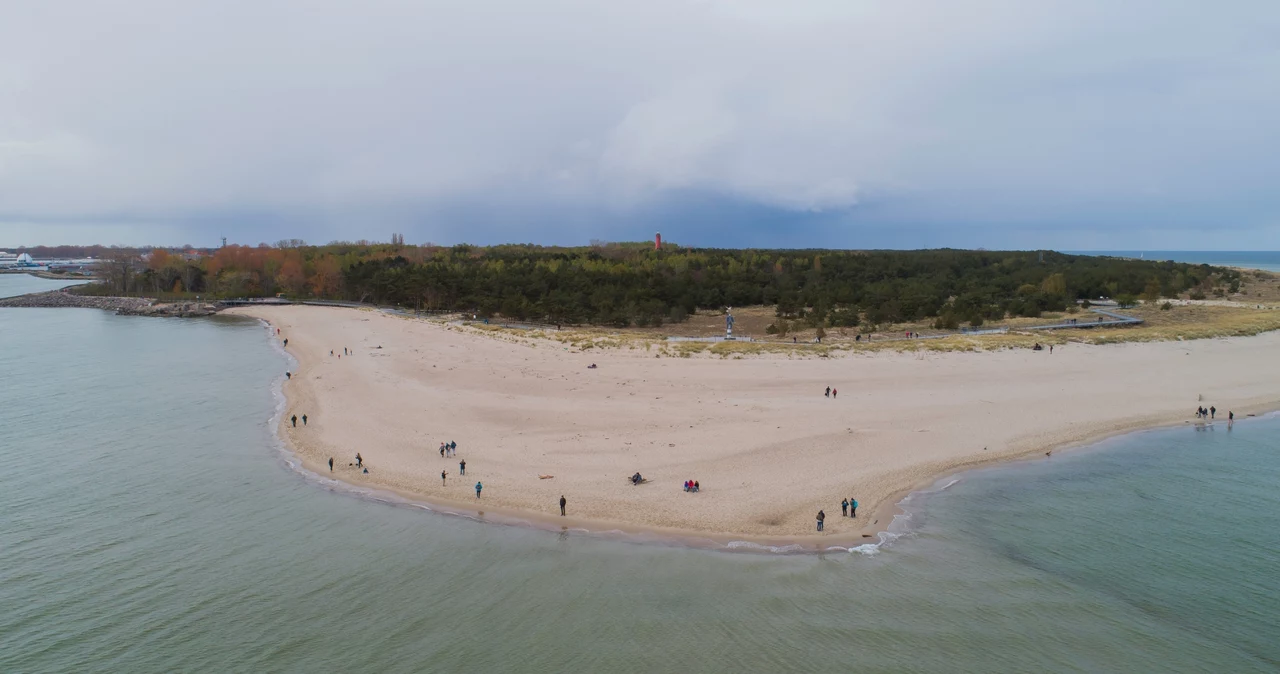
[150, 522]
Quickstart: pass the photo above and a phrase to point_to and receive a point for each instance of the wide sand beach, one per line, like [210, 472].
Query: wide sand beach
[767, 447]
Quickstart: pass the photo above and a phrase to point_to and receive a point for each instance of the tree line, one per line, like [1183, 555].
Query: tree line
[634, 284]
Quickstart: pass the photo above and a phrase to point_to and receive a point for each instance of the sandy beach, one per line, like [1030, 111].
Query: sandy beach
[767, 447]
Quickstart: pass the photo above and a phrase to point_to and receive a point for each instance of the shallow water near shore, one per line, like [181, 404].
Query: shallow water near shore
[12, 285]
[150, 523]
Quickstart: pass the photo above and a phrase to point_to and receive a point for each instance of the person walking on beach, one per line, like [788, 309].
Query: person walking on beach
[853, 507]
[562, 504]
[442, 476]
[331, 464]
[844, 508]
[359, 460]
[1051, 349]
[294, 419]
[834, 393]
[304, 420]
[442, 450]
[478, 488]
[453, 446]
[288, 375]
[462, 467]
[828, 393]
[821, 516]
[1213, 412]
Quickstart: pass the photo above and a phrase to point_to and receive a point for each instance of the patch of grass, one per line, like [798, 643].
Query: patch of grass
[1188, 322]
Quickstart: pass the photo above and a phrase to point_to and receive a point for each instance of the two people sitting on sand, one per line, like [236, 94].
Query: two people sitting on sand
[636, 479]
[691, 485]
[591, 366]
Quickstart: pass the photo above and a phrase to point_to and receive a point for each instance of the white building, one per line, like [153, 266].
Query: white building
[8, 259]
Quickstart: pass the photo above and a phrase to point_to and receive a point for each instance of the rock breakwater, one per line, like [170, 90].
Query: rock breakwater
[129, 306]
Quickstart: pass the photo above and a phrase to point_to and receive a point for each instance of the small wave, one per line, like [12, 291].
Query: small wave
[949, 485]
[749, 545]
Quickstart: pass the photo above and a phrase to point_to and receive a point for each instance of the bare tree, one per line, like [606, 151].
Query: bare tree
[119, 269]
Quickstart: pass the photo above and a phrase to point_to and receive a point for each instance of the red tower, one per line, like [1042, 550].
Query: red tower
[657, 241]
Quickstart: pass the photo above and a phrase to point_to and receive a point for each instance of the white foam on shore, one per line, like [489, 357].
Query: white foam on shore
[761, 547]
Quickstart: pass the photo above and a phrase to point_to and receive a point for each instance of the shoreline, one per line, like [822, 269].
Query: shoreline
[883, 510]
[892, 511]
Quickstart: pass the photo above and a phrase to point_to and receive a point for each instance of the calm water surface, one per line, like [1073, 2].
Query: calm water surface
[149, 523]
[21, 284]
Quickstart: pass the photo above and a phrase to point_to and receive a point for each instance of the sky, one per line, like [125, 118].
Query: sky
[1076, 125]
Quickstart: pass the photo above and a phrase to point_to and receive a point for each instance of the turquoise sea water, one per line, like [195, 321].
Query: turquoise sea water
[1249, 259]
[149, 522]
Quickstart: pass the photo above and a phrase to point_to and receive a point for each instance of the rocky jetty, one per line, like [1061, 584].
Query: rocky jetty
[175, 309]
[129, 306]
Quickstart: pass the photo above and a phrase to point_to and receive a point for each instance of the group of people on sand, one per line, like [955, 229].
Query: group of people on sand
[1212, 413]
[848, 508]
[448, 449]
[444, 479]
[339, 355]
[691, 486]
[359, 464]
[831, 393]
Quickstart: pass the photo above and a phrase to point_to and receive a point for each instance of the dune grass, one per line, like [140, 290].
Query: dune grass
[1181, 322]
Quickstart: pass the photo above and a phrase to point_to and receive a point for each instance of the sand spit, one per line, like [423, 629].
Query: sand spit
[768, 448]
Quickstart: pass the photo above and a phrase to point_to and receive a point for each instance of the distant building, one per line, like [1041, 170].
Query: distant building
[8, 259]
[657, 241]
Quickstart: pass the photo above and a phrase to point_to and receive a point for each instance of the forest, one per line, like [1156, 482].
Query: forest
[623, 284]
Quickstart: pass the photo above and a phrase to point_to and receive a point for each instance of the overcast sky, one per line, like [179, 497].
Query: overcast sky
[1134, 124]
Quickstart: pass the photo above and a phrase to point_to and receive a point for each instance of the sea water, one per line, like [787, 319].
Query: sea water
[20, 284]
[150, 522]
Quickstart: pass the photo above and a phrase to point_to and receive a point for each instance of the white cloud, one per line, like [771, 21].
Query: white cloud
[982, 110]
